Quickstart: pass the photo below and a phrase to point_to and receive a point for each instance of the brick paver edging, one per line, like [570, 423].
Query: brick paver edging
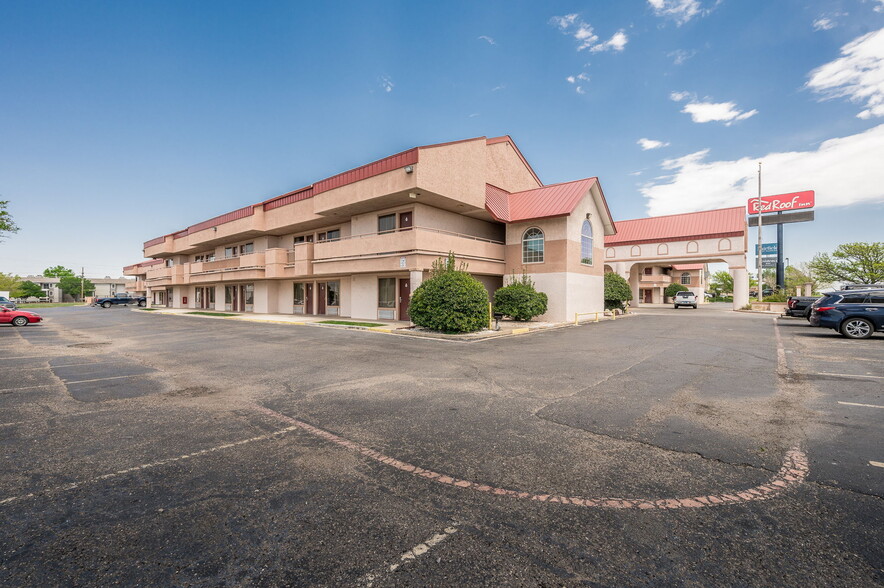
[793, 471]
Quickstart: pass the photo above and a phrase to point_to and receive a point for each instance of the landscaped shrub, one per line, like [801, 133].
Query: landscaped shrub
[672, 289]
[451, 301]
[520, 300]
[617, 292]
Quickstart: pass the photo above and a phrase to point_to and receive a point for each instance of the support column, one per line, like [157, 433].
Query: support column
[416, 279]
[148, 297]
[741, 287]
[634, 277]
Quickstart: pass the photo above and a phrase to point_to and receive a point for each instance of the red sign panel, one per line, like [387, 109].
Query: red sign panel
[783, 202]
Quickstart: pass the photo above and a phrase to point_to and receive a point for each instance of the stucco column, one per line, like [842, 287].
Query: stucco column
[634, 277]
[741, 287]
[148, 296]
[417, 278]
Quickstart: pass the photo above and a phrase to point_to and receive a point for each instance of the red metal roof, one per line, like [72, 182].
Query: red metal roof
[725, 222]
[545, 202]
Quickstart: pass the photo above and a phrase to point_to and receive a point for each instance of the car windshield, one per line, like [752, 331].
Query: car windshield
[685, 294]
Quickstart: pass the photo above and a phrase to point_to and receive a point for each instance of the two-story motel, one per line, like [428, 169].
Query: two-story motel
[358, 243]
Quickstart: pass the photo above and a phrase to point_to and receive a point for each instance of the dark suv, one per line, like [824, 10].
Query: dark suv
[856, 314]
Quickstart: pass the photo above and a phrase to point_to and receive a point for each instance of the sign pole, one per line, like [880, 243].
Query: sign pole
[781, 270]
[758, 289]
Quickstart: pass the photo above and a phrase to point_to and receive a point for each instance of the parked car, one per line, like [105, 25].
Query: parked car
[120, 299]
[856, 314]
[18, 318]
[685, 299]
[7, 303]
[800, 305]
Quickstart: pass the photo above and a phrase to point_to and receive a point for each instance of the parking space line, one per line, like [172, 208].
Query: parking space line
[103, 379]
[56, 417]
[859, 404]
[412, 554]
[877, 464]
[146, 466]
[850, 375]
[792, 472]
[11, 390]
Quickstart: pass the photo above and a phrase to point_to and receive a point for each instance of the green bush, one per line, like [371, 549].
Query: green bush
[673, 289]
[520, 300]
[617, 292]
[451, 301]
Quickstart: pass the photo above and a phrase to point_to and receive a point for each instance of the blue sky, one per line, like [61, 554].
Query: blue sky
[123, 121]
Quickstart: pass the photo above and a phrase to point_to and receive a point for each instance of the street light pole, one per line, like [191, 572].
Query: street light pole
[758, 289]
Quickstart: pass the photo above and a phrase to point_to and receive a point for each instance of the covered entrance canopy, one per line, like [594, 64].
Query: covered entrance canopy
[711, 236]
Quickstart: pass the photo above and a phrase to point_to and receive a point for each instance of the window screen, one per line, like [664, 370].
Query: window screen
[386, 223]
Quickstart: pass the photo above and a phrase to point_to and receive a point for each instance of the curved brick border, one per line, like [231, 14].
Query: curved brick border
[793, 471]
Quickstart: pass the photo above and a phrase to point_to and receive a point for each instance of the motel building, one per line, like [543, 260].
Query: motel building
[357, 244]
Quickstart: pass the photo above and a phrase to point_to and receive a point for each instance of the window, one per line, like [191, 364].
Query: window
[198, 258]
[387, 223]
[247, 248]
[230, 251]
[299, 294]
[532, 246]
[853, 299]
[386, 292]
[169, 263]
[686, 278]
[210, 256]
[304, 239]
[649, 271]
[876, 298]
[333, 294]
[248, 295]
[586, 243]
[333, 235]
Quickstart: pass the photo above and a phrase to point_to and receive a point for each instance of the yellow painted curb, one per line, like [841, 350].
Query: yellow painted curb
[380, 330]
[521, 331]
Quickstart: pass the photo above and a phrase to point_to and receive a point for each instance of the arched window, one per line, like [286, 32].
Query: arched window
[686, 278]
[532, 246]
[586, 243]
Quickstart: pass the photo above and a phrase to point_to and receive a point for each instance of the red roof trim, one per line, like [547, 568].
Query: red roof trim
[295, 196]
[154, 241]
[368, 170]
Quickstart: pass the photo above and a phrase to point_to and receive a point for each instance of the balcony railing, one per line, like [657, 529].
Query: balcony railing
[424, 239]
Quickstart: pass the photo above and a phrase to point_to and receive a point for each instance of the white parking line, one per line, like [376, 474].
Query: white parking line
[11, 390]
[850, 375]
[877, 464]
[859, 404]
[412, 554]
[145, 466]
[102, 379]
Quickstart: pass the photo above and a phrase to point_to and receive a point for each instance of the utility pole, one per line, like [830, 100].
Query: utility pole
[82, 277]
[758, 253]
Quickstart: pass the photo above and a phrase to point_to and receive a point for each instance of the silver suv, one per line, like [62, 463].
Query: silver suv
[685, 299]
[7, 303]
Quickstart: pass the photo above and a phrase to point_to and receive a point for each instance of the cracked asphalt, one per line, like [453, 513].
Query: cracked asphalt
[160, 450]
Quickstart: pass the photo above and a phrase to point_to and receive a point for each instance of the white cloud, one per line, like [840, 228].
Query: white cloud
[824, 24]
[580, 90]
[496, 88]
[647, 144]
[880, 6]
[386, 83]
[635, 173]
[679, 96]
[842, 171]
[726, 112]
[617, 42]
[571, 79]
[487, 38]
[573, 25]
[679, 56]
[473, 115]
[681, 11]
[581, 77]
[858, 75]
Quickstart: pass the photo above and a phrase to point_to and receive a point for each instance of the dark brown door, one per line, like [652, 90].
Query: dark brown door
[308, 299]
[404, 298]
[405, 220]
[321, 305]
[648, 296]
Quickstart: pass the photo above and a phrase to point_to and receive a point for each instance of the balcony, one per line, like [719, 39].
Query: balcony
[299, 260]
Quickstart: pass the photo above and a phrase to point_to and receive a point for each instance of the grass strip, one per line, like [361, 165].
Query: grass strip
[211, 313]
[350, 323]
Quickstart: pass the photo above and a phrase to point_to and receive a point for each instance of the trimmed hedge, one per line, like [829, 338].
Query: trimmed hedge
[673, 289]
[617, 291]
[451, 302]
[520, 300]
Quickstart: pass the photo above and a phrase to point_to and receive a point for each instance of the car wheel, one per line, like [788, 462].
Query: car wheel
[675, 306]
[857, 328]
[142, 303]
[19, 321]
[105, 305]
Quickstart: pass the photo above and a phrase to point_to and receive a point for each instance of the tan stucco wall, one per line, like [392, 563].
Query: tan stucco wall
[456, 171]
[505, 169]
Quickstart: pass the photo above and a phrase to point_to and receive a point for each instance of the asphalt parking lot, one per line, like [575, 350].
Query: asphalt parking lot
[689, 448]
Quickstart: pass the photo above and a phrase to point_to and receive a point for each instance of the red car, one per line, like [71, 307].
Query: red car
[18, 318]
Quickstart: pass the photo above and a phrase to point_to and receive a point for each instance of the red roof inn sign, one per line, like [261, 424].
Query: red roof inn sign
[783, 202]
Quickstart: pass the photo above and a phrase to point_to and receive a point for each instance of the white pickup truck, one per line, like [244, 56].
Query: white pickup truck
[685, 299]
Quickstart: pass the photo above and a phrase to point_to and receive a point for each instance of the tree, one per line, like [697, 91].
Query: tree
[722, 281]
[27, 289]
[7, 225]
[8, 282]
[617, 291]
[673, 289]
[861, 263]
[70, 285]
[797, 276]
[58, 271]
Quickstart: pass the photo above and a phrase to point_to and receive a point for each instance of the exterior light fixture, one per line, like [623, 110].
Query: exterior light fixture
[588, 215]
[412, 194]
[409, 169]
[215, 229]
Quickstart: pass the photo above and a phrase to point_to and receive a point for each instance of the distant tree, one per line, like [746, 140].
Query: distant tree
[26, 289]
[722, 282]
[70, 285]
[798, 275]
[7, 225]
[617, 291]
[58, 271]
[861, 263]
[9, 282]
[673, 289]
